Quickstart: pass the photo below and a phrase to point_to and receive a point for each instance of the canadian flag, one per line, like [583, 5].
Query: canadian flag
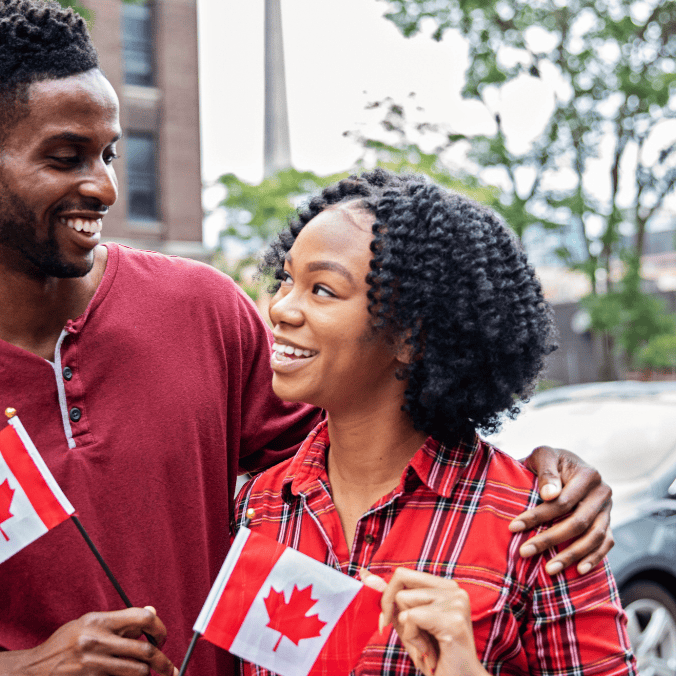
[31, 502]
[280, 609]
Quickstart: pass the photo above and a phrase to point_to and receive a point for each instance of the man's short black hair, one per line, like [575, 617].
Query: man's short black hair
[39, 40]
[451, 281]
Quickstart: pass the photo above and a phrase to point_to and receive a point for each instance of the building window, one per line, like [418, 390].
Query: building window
[137, 32]
[141, 176]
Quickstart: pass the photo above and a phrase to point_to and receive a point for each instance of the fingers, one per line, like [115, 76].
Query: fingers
[404, 578]
[544, 462]
[588, 549]
[109, 638]
[420, 645]
[583, 491]
[371, 580]
[132, 622]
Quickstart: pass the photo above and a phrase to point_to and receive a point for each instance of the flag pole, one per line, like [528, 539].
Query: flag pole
[107, 571]
[10, 412]
[186, 659]
[193, 642]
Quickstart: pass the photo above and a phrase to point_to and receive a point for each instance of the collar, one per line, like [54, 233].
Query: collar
[436, 465]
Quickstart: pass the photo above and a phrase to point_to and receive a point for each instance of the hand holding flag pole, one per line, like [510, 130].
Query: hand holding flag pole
[40, 498]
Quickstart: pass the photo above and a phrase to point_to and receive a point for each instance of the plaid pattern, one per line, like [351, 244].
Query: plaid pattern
[449, 517]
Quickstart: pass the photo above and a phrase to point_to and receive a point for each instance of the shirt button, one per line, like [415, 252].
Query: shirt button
[369, 539]
[67, 372]
[75, 414]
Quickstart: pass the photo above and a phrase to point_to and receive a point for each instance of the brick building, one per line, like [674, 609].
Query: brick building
[148, 51]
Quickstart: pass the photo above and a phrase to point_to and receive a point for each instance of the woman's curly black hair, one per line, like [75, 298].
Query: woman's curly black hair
[39, 40]
[453, 282]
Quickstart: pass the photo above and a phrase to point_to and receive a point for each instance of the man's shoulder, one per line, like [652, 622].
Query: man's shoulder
[173, 276]
[153, 262]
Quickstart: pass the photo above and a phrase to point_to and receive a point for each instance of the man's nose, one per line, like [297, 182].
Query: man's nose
[101, 183]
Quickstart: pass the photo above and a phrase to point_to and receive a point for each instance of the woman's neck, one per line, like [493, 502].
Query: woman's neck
[366, 459]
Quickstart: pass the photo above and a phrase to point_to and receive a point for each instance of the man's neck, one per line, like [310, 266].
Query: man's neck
[34, 311]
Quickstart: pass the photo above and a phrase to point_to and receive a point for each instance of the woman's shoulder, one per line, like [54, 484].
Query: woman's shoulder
[507, 479]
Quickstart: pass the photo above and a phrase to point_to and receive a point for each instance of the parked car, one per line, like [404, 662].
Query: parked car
[627, 430]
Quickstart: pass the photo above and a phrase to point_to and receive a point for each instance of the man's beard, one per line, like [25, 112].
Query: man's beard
[23, 252]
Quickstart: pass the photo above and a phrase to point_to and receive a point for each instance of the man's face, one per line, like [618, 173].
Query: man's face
[56, 176]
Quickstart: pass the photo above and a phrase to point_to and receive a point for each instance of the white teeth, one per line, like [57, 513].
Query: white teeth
[288, 349]
[83, 225]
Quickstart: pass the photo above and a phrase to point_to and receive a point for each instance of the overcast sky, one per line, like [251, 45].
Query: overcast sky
[338, 57]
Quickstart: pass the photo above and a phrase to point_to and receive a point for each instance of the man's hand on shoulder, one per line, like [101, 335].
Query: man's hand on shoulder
[568, 485]
[96, 644]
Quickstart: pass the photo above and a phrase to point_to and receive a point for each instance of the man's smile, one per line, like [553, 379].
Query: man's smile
[91, 226]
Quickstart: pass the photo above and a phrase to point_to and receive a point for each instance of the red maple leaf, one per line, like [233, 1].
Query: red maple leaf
[289, 618]
[6, 495]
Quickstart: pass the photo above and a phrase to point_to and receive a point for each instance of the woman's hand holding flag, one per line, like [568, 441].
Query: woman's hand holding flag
[432, 617]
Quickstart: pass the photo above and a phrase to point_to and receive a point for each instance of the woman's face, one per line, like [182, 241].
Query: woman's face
[326, 353]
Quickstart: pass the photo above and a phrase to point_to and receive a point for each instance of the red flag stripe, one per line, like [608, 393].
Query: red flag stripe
[39, 494]
[350, 635]
[222, 627]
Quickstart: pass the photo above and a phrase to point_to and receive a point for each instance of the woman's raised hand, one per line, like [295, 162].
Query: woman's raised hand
[432, 617]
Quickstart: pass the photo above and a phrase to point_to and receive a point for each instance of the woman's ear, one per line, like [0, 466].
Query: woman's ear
[403, 351]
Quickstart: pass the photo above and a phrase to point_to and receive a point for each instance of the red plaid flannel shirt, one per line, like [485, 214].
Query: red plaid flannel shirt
[449, 517]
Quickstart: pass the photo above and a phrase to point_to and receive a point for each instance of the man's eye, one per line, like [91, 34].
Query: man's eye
[69, 160]
[108, 159]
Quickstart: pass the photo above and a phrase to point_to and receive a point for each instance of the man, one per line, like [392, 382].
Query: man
[143, 380]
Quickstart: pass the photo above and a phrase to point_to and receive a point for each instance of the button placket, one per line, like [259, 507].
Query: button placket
[61, 390]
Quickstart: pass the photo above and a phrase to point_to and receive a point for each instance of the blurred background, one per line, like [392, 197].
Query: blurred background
[560, 114]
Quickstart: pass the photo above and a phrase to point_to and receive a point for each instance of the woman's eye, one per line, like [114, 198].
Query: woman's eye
[321, 291]
[286, 277]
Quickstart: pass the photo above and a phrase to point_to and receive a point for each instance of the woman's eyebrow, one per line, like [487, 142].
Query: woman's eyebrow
[330, 265]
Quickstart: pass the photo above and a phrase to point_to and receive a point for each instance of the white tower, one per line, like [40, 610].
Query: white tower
[276, 147]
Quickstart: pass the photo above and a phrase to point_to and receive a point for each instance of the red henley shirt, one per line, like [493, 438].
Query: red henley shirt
[156, 391]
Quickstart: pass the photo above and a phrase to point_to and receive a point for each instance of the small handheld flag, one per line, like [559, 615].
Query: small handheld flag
[280, 609]
[31, 502]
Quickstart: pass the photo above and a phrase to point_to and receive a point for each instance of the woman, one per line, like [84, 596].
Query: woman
[413, 318]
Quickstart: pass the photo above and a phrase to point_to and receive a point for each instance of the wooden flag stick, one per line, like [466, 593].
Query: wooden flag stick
[107, 571]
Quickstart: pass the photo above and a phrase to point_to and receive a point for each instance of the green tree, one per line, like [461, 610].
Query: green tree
[612, 65]
[257, 212]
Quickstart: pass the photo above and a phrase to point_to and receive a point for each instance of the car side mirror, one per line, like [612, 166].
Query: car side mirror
[671, 491]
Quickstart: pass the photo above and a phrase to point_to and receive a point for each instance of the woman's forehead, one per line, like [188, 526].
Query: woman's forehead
[341, 231]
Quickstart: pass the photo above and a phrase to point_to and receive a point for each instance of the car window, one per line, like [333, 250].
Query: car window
[624, 439]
